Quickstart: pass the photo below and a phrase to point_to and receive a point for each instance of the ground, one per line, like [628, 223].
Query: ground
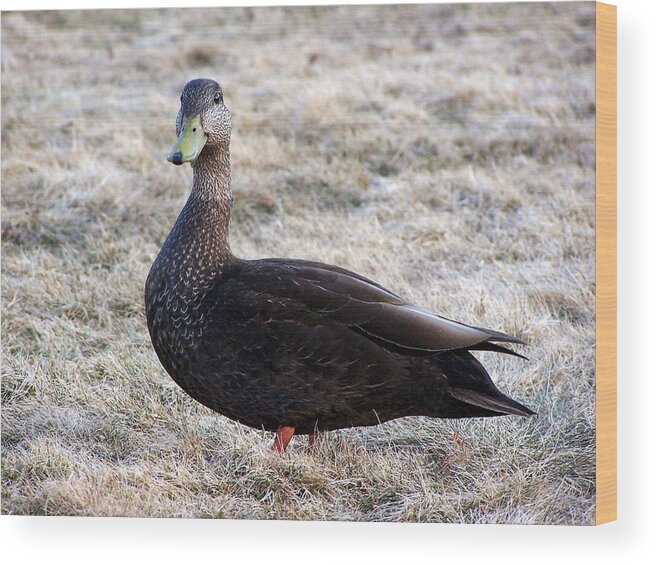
[447, 152]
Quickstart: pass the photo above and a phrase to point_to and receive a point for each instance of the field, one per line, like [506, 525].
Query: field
[447, 152]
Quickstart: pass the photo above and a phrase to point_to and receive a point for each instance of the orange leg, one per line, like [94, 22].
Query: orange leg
[457, 438]
[283, 437]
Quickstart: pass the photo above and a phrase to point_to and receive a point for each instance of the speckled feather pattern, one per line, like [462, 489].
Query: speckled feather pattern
[282, 342]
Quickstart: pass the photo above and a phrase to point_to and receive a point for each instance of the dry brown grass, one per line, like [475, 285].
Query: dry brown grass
[446, 151]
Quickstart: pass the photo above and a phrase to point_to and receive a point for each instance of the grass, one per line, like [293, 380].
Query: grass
[446, 151]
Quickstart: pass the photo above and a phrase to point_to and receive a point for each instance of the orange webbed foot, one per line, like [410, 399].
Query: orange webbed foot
[283, 437]
[457, 438]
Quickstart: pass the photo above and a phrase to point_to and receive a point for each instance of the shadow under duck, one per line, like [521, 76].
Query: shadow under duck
[293, 346]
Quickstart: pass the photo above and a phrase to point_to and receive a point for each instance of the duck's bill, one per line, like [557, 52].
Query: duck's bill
[190, 142]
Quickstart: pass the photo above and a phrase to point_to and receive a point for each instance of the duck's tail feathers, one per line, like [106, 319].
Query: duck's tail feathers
[500, 336]
[489, 346]
[495, 402]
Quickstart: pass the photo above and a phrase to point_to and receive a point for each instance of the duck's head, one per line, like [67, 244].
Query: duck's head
[203, 121]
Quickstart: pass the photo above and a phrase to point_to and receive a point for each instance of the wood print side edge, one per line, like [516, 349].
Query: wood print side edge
[606, 262]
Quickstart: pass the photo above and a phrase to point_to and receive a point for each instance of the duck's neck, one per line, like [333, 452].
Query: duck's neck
[212, 176]
[206, 214]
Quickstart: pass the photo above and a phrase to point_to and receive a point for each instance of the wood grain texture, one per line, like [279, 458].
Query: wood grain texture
[606, 354]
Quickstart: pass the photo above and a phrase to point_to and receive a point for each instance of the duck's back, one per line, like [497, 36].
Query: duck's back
[284, 342]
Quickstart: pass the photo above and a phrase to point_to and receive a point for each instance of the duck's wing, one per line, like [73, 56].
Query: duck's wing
[360, 304]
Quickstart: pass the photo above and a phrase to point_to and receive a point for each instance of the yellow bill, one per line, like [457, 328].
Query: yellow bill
[190, 142]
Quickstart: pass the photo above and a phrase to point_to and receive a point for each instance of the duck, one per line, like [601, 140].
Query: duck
[292, 346]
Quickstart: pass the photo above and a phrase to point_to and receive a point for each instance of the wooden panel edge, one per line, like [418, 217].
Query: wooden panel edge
[606, 262]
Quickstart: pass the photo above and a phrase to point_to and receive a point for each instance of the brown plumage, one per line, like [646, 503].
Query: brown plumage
[296, 346]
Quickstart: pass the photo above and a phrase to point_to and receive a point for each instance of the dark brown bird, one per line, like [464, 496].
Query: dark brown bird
[293, 346]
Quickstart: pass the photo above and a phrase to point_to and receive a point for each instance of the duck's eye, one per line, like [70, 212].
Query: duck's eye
[218, 98]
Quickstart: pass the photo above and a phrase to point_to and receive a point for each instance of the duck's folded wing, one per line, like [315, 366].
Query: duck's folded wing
[360, 304]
